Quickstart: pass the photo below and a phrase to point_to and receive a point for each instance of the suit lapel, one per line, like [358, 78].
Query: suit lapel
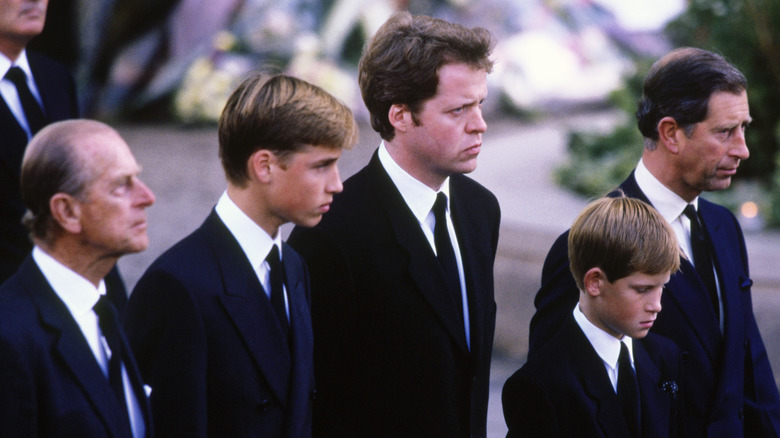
[593, 376]
[471, 251]
[14, 139]
[58, 104]
[302, 379]
[74, 351]
[250, 309]
[726, 261]
[655, 403]
[424, 269]
[138, 385]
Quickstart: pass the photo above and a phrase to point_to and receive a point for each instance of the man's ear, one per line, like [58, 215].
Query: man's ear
[668, 134]
[594, 280]
[400, 117]
[259, 165]
[66, 211]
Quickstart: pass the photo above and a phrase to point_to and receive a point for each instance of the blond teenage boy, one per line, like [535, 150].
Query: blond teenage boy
[221, 321]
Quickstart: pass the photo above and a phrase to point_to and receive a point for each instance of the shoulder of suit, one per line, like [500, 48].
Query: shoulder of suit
[464, 183]
[662, 351]
[18, 311]
[709, 207]
[43, 61]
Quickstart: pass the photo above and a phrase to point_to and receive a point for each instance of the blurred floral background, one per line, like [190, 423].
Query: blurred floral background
[176, 61]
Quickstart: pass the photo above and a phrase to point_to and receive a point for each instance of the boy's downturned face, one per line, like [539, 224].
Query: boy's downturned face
[303, 185]
[628, 306]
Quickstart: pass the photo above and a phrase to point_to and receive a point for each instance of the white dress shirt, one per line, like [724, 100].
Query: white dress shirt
[420, 199]
[606, 345]
[8, 89]
[671, 207]
[253, 240]
[80, 296]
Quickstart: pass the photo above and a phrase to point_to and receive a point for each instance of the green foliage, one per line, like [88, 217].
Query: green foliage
[598, 163]
[746, 33]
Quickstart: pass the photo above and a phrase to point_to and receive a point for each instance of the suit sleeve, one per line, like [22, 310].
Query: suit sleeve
[167, 334]
[556, 298]
[528, 411]
[762, 403]
[18, 406]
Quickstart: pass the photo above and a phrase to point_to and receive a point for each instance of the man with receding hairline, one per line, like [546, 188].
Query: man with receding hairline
[66, 368]
[693, 116]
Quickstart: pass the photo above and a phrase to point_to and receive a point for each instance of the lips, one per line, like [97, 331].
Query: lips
[34, 10]
[474, 150]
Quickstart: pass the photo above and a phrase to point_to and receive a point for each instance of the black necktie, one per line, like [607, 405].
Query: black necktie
[445, 252]
[109, 325]
[277, 290]
[628, 392]
[702, 258]
[32, 110]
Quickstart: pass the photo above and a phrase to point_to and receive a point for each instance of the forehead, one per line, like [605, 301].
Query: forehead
[105, 153]
[637, 279]
[725, 106]
[459, 80]
[314, 153]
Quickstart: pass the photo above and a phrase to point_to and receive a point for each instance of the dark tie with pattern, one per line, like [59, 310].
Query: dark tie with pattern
[445, 252]
[702, 258]
[277, 290]
[109, 325]
[32, 110]
[628, 392]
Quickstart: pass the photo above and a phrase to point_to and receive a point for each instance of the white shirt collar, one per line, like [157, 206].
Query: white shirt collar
[606, 345]
[418, 196]
[21, 62]
[78, 294]
[668, 203]
[254, 241]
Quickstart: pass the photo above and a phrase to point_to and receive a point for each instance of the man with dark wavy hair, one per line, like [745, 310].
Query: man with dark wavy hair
[402, 265]
[693, 117]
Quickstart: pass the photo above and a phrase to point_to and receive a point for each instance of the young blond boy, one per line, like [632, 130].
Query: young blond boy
[221, 327]
[621, 254]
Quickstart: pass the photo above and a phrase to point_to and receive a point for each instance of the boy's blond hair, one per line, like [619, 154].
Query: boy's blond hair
[282, 114]
[621, 236]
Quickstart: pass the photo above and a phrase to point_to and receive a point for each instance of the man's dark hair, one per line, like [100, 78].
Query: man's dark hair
[400, 65]
[680, 84]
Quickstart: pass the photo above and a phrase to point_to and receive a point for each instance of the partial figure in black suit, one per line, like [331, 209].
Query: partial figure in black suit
[693, 116]
[51, 84]
[66, 368]
[221, 328]
[403, 338]
[602, 374]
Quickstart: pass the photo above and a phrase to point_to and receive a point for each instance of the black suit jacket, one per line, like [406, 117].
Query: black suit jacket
[730, 389]
[390, 351]
[563, 391]
[58, 93]
[52, 386]
[208, 342]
